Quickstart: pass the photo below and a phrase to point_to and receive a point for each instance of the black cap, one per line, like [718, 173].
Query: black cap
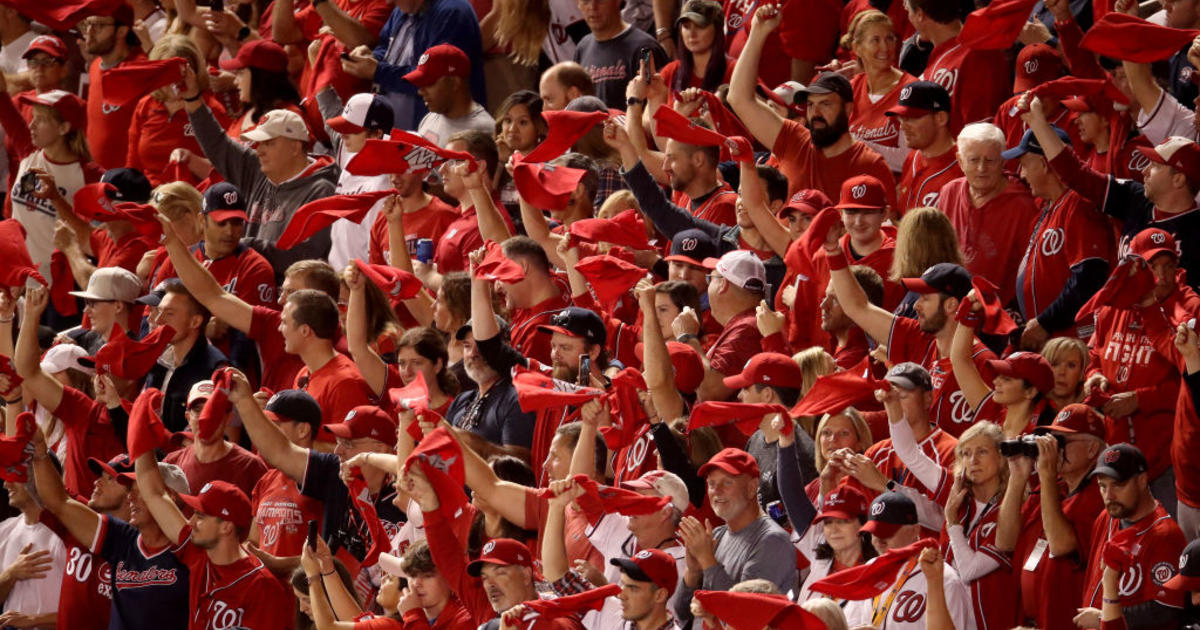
[948, 278]
[1188, 578]
[155, 296]
[1122, 462]
[909, 375]
[920, 98]
[574, 321]
[888, 513]
[130, 184]
[501, 323]
[224, 201]
[1030, 144]
[832, 83]
[295, 405]
[693, 247]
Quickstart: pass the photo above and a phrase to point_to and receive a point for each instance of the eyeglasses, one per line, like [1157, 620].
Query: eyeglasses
[42, 63]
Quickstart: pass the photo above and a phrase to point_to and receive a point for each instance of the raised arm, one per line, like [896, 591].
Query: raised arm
[202, 285]
[874, 321]
[1145, 89]
[1059, 533]
[1008, 521]
[657, 369]
[369, 363]
[284, 28]
[333, 606]
[969, 380]
[76, 517]
[491, 225]
[539, 230]
[554, 549]
[272, 444]
[507, 497]
[754, 200]
[158, 499]
[41, 386]
[762, 122]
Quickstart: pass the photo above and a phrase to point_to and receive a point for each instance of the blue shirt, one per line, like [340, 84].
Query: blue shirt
[150, 588]
[437, 22]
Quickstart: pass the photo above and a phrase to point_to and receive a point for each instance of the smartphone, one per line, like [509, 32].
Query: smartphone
[345, 55]
[218, 6]
[312, 534]
[28, 184]
[585, 370]
[645, 61]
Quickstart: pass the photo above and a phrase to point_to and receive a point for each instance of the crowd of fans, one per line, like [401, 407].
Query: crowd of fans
[604, 314]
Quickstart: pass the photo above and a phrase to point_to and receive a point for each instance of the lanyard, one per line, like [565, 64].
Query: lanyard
[880, 615]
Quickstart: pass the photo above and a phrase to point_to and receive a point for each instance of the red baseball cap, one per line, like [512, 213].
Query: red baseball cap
[113, 467]
[69, 107]
[734, 461]
[809, 202]
[1177, 152]
[505, 552]
[222, 500]
[48, 44]
[366, 421]
[263, 54]
[443, 60]
[1030, 366]
[1036, 64]
[688, 364]
[1151, 242]
[862, 192]
[651, 565]
[768, 368]
[844, 502]
[1079, 418]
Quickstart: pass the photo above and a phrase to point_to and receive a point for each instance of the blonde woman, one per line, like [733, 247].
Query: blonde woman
[514, 33]
[877, 87]
[160, 125]
[1068, 357]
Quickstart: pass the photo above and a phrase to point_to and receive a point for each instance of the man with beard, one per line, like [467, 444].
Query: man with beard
[924, 112]
[748, 546]
[850, 344]
[147, 587]
[821, 154]
[227, 585]
[534, 300]
[1145, 532]
[107, 38]
[925, 341]
[992, 213]
[692, 171]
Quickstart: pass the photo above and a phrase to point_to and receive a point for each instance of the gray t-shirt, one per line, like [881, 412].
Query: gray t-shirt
[437, 127]
[613, 63]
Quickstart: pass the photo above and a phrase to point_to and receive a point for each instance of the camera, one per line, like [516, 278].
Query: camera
[28, 184]
[1026, 445]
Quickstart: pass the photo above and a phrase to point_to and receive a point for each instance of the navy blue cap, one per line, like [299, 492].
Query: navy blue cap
[888, 513]
[693, 247]
[294, 405]
[578, 322]
[1030, 144]
[501, 323]
[948, 278]
[223, 201]
[1121, 461]
[130, 184]
[920, 98]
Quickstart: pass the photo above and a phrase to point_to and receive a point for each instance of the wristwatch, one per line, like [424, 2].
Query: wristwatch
[632, 100]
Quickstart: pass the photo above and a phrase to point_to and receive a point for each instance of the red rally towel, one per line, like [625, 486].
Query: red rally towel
[315, 216]
[383, 157]
[547, 609]
[754, 611]
[626, 229]
[62, 15]
[834, 392]
[563, 129]
[868, 580]
[217, 407]
[1126, 286]
[628, 414]
[546, 186]
[132, 80]
[126, 358]
[497, 267]
[609, 276]
[397, 284]
[146, 431]
[15, 264]
[1130, 38]
[746, 416]
[15, 450]
[996, 26]
[536, 391]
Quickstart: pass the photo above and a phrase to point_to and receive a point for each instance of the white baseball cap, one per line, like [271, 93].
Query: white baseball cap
[664, 484]
[278, 123]
[65, 356]
[111, 284]
[201, 390]
[743, 269]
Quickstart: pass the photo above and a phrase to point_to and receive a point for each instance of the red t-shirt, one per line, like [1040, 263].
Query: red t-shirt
[1068, 232]
[719, 207]
[282, 514]
[669, 71]
[526, 337]
[986, 80]
[108, 125]
[807, 167]
[453, 617]
[337, 386]
[922, 178]
[244, 273]
[994, 236]
[85, 601]
[994, 595]
[870, 122]
[1160, 542]
[89, 433]
[126, 252]
[155, 133]
[239, 467]
[575, 526]
[738, 342]
[950, 409]
[1134, 349]
[461, 238]
[279, 368]
[430, 222]
[243, 593]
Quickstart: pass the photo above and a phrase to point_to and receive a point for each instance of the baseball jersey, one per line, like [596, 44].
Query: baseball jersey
[986, 80]
[86, 596]
[870, 122]
[243, 593]
[938, 446]
[337, 386]
[125, 252]
[1159, 542]
[994, 236]
[1069, 231]
[430, 222]
[1126, 163]
[903, 605]
[719, 206]
[149, 586]
[89, 434]
[155, 133]
[108, 124]
[1134, 350]
[950, 409]
[806, 166]
[993, 595]
[282, 514]
[1186, 441]
[637, 459]
[922, 178]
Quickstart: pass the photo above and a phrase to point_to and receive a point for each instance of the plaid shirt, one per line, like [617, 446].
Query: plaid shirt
[610, 182]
